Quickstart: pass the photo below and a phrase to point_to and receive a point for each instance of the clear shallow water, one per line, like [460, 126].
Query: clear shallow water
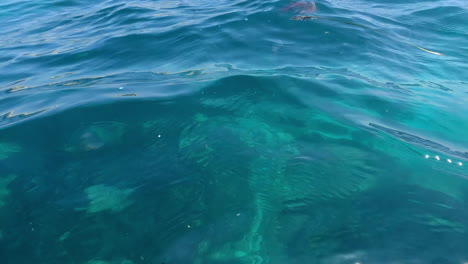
[225, 132]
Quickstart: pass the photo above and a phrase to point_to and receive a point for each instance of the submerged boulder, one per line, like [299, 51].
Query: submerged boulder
[107, 198]
[4, 191]
[7, 149]
[96, 136]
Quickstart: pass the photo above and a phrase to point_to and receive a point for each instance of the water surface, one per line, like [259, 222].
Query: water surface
[227, 132]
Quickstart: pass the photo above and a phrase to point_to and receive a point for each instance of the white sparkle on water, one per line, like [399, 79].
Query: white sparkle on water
[437, 158]
[449, 160]
[427, 156]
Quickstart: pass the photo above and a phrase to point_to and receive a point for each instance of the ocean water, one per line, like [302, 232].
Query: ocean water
[240, 131]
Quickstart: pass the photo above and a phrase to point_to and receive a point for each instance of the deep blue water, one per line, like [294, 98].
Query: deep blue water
[195, 131]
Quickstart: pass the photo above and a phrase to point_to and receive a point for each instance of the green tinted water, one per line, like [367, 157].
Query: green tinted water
[170, 132]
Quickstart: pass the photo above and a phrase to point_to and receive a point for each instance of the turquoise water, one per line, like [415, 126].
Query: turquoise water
[180, 131]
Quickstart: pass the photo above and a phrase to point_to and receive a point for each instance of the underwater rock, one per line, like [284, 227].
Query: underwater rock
[123, 261]
[4, 191]
[96, 136]
[326, 177]
[264, 149]
[64, 236]
[102, 197]
[97, 262]
[280, 173]
[6, 149]
[183, 250]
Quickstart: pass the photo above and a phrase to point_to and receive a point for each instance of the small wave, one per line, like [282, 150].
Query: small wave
[73, 92]
[419, 141]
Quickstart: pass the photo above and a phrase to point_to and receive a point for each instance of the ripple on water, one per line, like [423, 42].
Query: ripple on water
[225, 131]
